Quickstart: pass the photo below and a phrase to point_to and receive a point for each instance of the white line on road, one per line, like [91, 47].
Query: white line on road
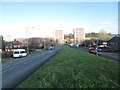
[5, 67]
[20, 62]
[26, 62]
[9, 69]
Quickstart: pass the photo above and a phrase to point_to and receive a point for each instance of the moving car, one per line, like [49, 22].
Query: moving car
[93, 51]
[19, 53]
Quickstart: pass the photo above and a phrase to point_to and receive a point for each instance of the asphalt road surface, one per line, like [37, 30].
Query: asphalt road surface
[13, 73]
[112, 56]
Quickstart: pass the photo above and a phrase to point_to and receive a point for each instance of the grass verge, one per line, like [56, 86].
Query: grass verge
[75, 69]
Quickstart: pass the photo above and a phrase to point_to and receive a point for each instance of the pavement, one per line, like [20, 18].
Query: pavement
[112, 56]
[16, 71]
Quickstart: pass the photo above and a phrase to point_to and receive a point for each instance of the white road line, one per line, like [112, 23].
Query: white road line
[20, 62]
[5, 67]
[26, 62]
[14, 65]
[9, 69]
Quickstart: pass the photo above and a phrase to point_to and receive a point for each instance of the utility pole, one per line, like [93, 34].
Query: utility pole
[97, 45]
[27, 38]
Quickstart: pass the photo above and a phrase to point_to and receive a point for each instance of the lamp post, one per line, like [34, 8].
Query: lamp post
[97, 41]
[44, 43]
[27, 38]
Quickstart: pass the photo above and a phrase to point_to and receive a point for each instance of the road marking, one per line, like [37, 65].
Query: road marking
[8, 69]
[20, 62]
[26, 62]
[14, 66]
[5, 67]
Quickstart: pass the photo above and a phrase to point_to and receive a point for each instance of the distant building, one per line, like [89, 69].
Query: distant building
[13, 45]
[22, 40]
[79, 35]
[114, 43]
[59, 36]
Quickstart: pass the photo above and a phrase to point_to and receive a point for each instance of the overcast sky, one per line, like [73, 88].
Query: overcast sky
[46, 17]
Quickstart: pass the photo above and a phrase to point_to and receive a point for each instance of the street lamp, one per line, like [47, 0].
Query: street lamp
[44, 43]
[27, 38]
[97, 42]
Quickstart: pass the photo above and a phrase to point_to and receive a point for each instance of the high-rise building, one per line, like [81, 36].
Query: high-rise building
[79, 35]
[59, 36]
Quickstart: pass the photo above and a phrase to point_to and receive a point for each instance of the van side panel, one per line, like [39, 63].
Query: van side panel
[19, 53]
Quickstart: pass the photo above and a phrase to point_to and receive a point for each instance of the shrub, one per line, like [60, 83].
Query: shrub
[6, 54]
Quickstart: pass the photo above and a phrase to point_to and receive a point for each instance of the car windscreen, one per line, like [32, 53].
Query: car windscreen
[16, 52]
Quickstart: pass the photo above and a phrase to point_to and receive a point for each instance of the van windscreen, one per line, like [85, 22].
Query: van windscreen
[16, 52]
[22, 51]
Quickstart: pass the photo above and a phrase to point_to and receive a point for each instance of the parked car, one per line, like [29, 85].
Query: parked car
[77, 45]
[99, 49]
[19, 53]
[71, 45]
[93, 51]
[46, 48]
[51, 48]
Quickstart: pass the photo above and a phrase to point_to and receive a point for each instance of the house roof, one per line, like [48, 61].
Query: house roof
[14, 43]
[116, 38]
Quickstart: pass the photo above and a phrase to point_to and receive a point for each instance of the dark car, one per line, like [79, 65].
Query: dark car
[93, 51]
[46, 48]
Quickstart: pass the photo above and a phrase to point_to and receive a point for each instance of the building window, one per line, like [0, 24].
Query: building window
[112, 43]
[15, 46]
[18, 45]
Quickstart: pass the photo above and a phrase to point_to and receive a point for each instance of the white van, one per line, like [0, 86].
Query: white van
[19, 53]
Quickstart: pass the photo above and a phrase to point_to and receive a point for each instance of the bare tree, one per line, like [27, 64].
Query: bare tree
[104, 36]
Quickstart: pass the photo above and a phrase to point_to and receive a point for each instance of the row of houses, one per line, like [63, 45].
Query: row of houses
[34, 43]
[14, 45]
[113, 43]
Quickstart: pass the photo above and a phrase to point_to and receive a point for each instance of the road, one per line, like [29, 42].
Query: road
[13, 73]
[112, 56]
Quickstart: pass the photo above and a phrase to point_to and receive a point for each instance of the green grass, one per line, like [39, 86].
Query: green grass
[89, 38]
[75, 69]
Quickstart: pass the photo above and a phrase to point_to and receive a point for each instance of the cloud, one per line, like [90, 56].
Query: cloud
[106, 23]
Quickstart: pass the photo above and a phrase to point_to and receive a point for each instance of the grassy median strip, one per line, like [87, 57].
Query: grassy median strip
[75, 69]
